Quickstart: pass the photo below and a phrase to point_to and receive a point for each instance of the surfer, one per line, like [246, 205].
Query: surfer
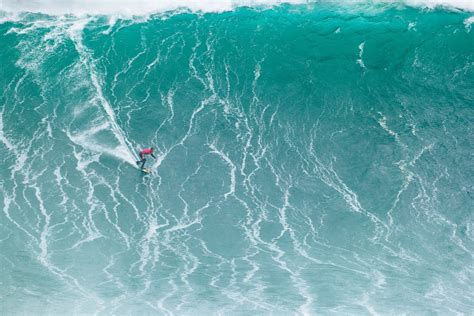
[142, 154]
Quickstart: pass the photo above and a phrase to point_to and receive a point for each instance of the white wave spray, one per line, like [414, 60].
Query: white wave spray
[145, 7]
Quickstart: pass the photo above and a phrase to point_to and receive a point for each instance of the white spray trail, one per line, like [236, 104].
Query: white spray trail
[126, 151]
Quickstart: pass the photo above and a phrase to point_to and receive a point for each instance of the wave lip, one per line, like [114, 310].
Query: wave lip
[459, 4]
[131, 7]
[145, 7]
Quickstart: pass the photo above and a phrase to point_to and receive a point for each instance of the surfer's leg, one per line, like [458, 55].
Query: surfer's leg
[141, 159]
[143, 163]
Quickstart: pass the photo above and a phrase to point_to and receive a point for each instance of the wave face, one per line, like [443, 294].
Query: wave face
[310, 160]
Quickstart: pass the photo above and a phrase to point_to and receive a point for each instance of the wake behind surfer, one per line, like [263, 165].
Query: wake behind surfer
[142, 154]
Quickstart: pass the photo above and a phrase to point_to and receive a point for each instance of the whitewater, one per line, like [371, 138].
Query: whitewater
[312, 157]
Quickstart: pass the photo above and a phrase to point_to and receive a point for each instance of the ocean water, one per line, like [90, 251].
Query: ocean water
[312, 158]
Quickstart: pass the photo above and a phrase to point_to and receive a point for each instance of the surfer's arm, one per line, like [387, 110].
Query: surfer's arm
[153, 156]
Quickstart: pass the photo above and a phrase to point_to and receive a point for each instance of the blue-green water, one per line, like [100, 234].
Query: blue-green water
[311, 159]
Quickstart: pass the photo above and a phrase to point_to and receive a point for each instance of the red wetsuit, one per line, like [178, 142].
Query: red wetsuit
[147, 151]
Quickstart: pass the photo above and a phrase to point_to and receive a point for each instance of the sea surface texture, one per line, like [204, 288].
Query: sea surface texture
[310, 159]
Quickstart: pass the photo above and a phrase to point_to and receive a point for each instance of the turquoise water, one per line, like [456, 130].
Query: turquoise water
[311, 159]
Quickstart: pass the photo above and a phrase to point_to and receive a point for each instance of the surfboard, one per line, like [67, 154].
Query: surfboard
[145, 170]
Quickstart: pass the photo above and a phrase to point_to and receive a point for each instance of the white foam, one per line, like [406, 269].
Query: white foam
[145, 7]
[459, 4]
[360, 61]
[3, 138]
[231, 165]
[468, 22]
[129, 7]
